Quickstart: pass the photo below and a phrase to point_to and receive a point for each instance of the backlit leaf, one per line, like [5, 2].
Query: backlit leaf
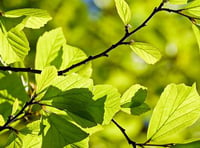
[177, 108]
[46, 78]
[49, 46]
[147, 52]
[73, 55]
[78, 103]
[14, 45]
[178, 1]
[123, 11]
[61, 132]
[35, 18]
[192, 9]
[112, 103]
[15, 106]
[132, 100]
[196, 30]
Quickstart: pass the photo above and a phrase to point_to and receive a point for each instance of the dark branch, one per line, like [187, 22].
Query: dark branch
[179, 12]
[134, 144]
[8, 68]
[91, 58]
[124, 133]
[15, 117]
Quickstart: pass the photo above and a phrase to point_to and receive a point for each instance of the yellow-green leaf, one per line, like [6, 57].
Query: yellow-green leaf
[46, 78]
[15, 106]
[177, 108]
[35, 18]
[14, 45]
[196, 30]
[147, 52]
[123, 11]
[178, 1]
[49, 47]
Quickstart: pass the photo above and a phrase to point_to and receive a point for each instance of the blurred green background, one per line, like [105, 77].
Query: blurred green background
[93, 26]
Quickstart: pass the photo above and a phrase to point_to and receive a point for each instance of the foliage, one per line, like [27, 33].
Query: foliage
[64, 105]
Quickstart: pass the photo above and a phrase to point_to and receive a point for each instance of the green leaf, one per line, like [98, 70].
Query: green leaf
[82, 144]
[17, 89]
[46, 78]
[73, 55]
[132, 100]
[72, 81]
[15, 106]
[196, 30]
[78, 103]
[27, 137]
[178, 1]
[14, 45]
[123, 11]
[49, 47]
[177, 108]
[147, 52]
[35, 18]
[61, 132]
[112, 103]
[138, 110]
[192, 9]
[1, 120]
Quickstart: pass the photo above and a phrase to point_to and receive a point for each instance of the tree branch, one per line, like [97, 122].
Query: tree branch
[15, 117]
[106, 51]
[124, 133]
[91, 58]
[133, 143]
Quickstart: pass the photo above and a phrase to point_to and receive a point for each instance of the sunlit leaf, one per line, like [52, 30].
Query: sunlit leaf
[146, 51]
[132, 100]
[72, 81]
[61, 132]
[192, 9]
[46, 78]
[82, 144]
[26, 137]
[14, 45]
[123, 11]
[78, 103]
[112, 103]
[1, 120]
[178, 1]
[196, 30]
[49, 47]
[15, 106]
[177, 108]
[35, 18]
[73, 55]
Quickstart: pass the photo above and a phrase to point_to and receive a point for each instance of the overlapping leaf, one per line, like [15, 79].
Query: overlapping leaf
[78, 103]
[123, 11]
[14, 45]
[132, 100]
[49, 46]
[35, 18]
[177, 108]
[112, 102]
[46, 78]
[146, 51]
[61, 132]
[192, 9]
[72, 55]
